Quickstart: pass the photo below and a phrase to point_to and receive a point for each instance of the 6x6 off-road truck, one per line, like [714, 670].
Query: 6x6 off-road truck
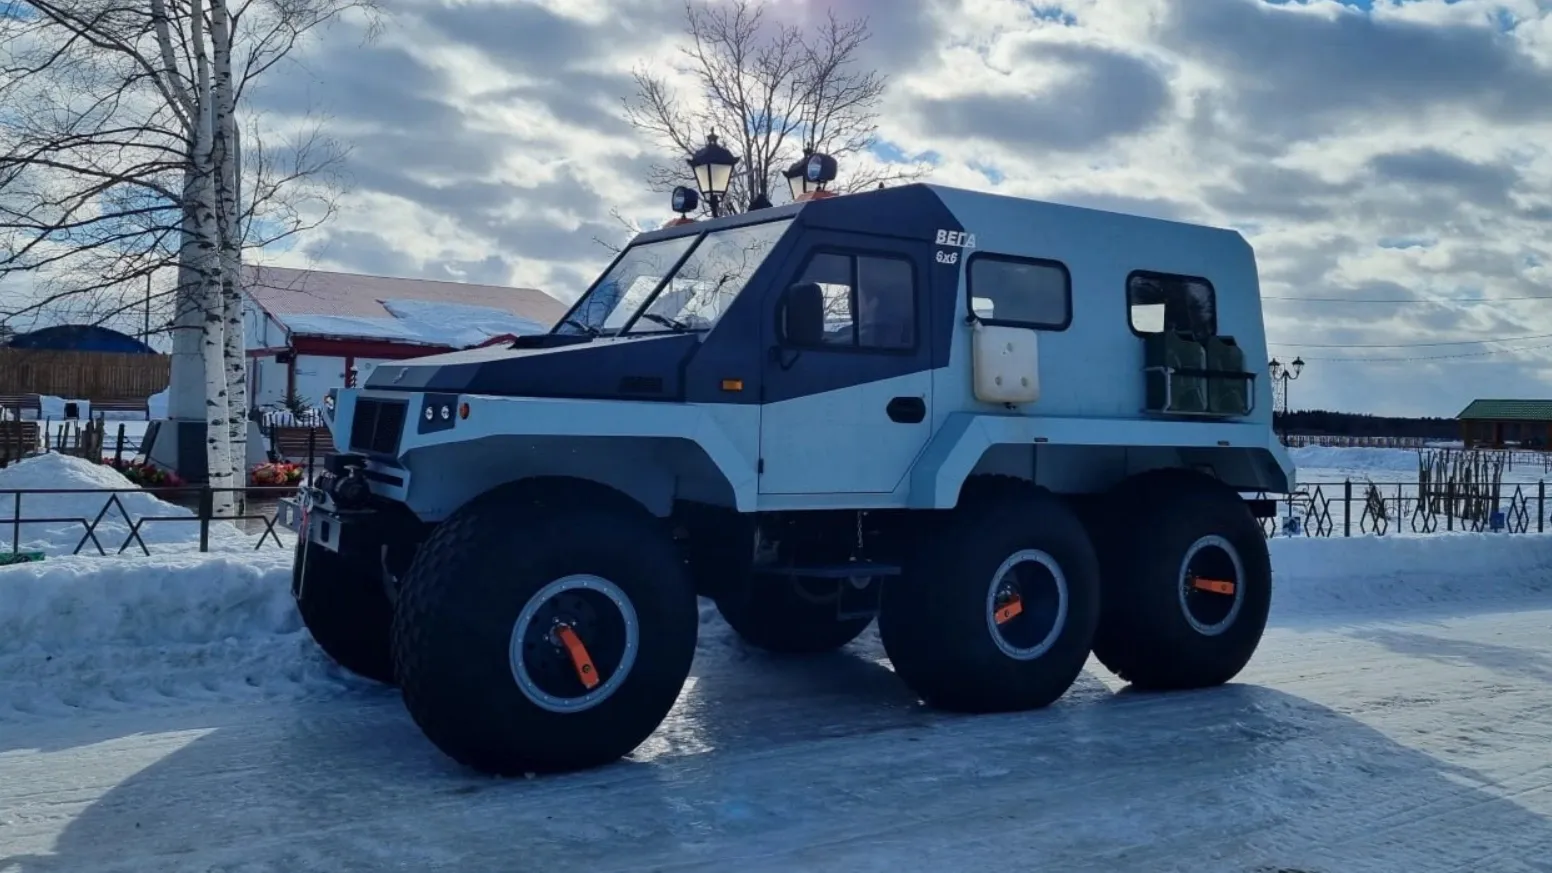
[1013, 432]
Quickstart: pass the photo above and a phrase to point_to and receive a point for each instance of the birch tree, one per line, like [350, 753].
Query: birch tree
[120, 159]
[768, 90]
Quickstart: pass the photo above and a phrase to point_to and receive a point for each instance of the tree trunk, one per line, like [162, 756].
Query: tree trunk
[234, 350]
[207, 232]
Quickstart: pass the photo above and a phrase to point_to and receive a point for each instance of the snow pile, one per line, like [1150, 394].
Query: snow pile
[1372, 578]
[1359, 461]
[72, 512]
[57, 605]
[456, 325]
[85, 635]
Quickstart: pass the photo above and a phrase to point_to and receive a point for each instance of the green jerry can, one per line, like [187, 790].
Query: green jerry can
[1228, 392]
[1168, 389]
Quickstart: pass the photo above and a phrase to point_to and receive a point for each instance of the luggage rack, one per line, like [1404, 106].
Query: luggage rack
[1184, 376]
[1168, 376]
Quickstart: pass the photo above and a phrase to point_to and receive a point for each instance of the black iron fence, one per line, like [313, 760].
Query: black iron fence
[1349, 508]
[1324, 509]
[257, 513]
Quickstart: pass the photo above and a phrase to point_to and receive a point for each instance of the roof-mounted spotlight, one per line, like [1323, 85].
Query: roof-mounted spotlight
[808, 176]
[684, 200]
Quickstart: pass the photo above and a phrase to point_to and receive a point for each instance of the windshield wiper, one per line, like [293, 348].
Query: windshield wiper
[585, 328]
[670, 323]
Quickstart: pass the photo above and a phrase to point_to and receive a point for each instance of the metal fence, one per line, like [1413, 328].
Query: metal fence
[1348, 508]
[1325, 509]
[258, 513]
[1300, 440]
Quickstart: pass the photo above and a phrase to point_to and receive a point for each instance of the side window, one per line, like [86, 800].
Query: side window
[1020, 292]
[869, 300]
[1159, 302]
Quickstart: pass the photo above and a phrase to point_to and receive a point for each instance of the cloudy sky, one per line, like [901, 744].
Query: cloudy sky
[1373, 150]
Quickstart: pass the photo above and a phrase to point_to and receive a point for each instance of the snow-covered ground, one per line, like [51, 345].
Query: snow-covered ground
[1323, 464]
[168, 714]
[1323, 472]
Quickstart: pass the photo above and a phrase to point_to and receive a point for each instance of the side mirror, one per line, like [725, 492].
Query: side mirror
[801, 315]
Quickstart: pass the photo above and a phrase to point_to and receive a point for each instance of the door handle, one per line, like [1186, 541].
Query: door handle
[907, 410]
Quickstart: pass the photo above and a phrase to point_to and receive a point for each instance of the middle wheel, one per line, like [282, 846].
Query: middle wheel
[790, 616]
[997, 609]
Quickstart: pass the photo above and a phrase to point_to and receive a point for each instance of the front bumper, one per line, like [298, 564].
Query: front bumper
[312, 515]
[309, 520]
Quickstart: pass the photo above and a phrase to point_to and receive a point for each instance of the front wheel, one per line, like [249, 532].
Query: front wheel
[536, 641]
[344, 607]
[996, 610]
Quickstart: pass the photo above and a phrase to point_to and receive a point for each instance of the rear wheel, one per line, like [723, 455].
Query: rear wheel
[345, 609]
[533, 639]
[1187, 599]
[997, 608]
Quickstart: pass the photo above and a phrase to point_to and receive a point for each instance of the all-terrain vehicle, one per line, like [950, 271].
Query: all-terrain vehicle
[1013, 432]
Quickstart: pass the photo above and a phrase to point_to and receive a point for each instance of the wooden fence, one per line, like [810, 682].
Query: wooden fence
[83, 375]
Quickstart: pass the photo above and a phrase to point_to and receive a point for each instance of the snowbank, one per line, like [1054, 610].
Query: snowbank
[81, 636]
[75, 511]
[1363, 578]
[1373, 461]
[60, 604]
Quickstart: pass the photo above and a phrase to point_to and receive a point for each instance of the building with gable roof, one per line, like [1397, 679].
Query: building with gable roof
[311, 330]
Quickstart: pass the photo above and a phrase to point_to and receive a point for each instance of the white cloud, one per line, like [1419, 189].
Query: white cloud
[1399, 152]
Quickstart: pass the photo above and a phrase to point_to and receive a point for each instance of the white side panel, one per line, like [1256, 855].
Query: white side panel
[843, 441]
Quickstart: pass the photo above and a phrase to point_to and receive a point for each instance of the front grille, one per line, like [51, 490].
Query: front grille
[376, 426]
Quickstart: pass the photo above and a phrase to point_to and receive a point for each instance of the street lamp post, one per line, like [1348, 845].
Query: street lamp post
[1282, 374]
[713, 167]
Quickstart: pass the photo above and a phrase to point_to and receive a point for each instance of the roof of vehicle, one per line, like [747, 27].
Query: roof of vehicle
[912, 211]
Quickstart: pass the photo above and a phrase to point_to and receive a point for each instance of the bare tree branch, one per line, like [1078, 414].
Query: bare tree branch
[768, 90]
[98, 144]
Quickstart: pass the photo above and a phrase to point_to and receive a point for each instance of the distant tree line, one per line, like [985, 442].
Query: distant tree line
[1322, 422]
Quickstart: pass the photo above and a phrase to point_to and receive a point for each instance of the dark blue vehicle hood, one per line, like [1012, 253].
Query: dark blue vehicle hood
[648, 367]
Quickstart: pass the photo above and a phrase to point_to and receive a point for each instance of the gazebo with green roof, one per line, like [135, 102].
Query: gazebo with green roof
[1497, 423]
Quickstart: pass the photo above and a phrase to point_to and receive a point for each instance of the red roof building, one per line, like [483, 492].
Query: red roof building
[310, 330]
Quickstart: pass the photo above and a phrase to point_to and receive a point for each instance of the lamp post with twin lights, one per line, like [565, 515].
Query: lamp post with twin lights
[1282, 374]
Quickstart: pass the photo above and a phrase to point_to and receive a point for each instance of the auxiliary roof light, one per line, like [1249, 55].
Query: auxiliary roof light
[807, 176]
[684, 201]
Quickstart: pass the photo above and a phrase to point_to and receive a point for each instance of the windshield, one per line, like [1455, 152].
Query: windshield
[694, 297]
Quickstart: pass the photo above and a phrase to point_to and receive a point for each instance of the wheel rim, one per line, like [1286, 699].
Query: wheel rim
[1212, 585]
[581, 610]
[1026, 607]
